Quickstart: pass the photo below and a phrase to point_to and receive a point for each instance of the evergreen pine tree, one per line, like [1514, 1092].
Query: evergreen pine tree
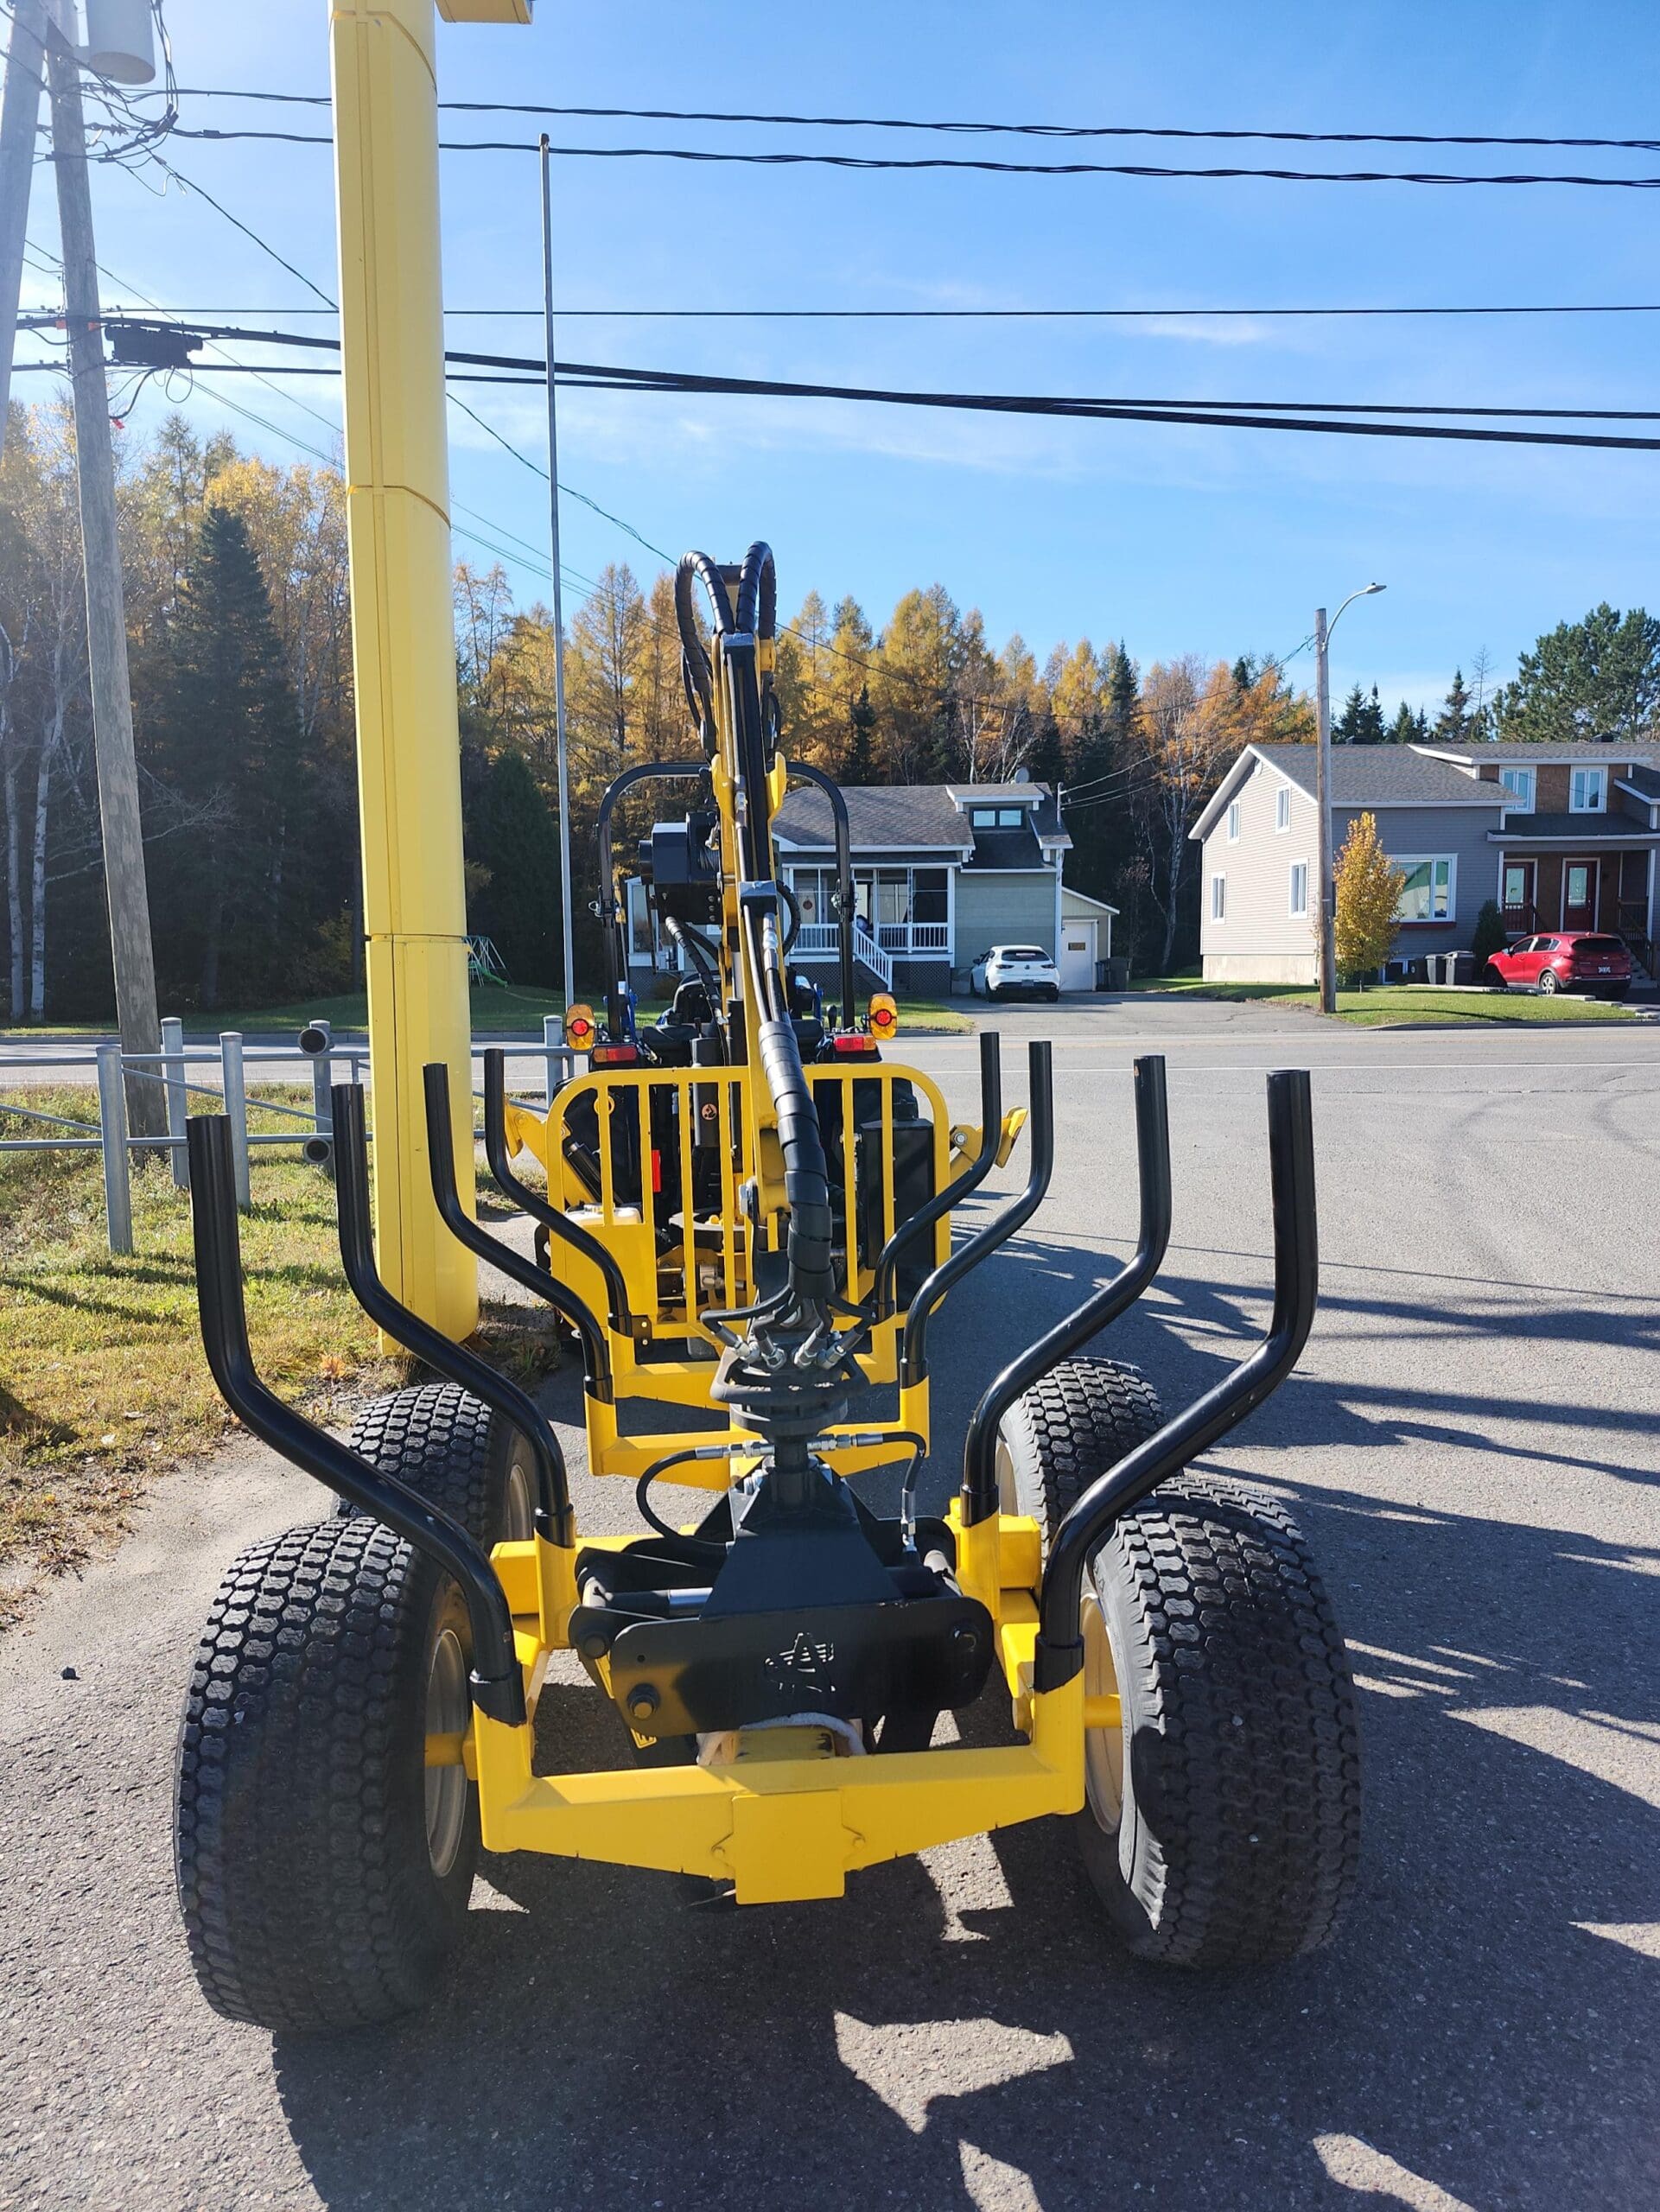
[234, 893]
[1452, 724]
[512, 851]
[859, 761]
[1361, 722]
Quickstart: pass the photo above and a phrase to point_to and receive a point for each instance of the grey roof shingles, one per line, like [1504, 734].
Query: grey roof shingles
[1586, 829]
[901, 816]
[1382, 775]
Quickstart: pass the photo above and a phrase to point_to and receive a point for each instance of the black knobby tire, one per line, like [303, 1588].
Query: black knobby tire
[319, 1891]
[1236, 1839]
[451, 1449]
[1079, 1420]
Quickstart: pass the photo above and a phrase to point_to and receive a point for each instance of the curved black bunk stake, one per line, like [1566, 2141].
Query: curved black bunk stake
[453, 1361]
[1297, 1291]
[832, 791]
[1116, 1297]
[550, 1217]
[913, 1364]
[441, 1160]
[611, 911]
[497, 1685]
[991, 1133]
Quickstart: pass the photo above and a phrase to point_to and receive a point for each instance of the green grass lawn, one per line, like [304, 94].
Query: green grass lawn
[494, 1010]
[104, 1382]
[1386, 1005]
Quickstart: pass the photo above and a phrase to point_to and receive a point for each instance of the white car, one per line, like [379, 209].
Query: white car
[1009, 970]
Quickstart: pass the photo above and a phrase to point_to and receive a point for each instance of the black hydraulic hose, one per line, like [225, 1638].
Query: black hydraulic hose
[1153, 1176]
[453, 1361]
[914, 1365]
[697, 567]
[553, 1218]
[1296, 1292]
[441, 1160]
[497, 1685]
[991, 1136]
[794, 930]
[758, 592]
[832, 791]
[700, 953]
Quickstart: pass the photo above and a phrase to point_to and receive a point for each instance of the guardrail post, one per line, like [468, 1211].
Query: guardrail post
[112, 1129]
[553, 1045]
[236, 1109]
[178, 1104]
[316, 1038]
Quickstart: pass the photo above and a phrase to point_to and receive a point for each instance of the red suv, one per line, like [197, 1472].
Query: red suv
[1571, 960]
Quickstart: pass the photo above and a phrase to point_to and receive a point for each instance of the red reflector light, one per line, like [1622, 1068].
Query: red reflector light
[615, 1056]
[852, 1046]
[656, 1172]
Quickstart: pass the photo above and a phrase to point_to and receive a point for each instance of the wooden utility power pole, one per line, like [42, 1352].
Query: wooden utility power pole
[107, 620]
[19, 119]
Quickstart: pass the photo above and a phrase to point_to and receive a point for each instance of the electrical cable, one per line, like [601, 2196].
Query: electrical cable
[912, 123]
[888, 162]
[962, 315]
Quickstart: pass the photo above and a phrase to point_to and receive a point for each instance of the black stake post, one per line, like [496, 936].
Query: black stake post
[1296, 1292]
[914, 1366]
[552, 1219]
[991, 1134]
[453, 1362]
[441, 1160]
[1153, 1167]
[497, 1685]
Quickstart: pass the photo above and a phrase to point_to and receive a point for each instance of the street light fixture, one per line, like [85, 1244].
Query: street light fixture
[1327, 919]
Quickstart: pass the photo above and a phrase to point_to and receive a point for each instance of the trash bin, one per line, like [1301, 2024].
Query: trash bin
[1112, 975]
[1461, 966]
[1417, 971]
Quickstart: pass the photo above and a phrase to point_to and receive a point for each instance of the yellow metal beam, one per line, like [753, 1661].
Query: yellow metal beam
[397, 516]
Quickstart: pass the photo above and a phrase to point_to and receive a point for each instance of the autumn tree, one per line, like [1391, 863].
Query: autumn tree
[1186, 729]
[1368, 894]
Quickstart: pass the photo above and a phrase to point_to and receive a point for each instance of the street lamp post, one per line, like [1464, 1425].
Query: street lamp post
[1327, 911]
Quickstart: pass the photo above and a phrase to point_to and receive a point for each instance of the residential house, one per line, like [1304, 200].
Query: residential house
[1560, 837]
[941, 873]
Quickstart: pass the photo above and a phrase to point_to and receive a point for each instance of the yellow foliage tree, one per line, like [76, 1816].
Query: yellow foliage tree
[1368, 886]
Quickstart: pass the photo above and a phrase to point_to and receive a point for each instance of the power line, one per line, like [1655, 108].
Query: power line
[237, 222]
[1008, 130]
[961, 162]
[962, 315]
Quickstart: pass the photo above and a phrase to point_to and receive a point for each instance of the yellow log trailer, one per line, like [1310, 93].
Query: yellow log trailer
[748, 1210]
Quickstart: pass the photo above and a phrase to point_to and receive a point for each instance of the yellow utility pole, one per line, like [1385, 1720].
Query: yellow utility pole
[397, 508]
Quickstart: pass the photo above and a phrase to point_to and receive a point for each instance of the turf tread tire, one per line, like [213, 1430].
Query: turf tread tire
[1240, 1839]
[310, 1899]
[1072, 1425]
[446, 1445]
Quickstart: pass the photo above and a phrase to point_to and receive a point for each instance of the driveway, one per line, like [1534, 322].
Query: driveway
[1470, 1442]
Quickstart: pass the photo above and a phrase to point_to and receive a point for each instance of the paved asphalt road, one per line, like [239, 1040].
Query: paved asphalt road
[1471, 1442]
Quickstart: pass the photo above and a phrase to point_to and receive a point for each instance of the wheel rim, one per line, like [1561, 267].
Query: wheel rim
[1007, 1501]
[518, 1513]
[447, 1786]
[1104, 1748]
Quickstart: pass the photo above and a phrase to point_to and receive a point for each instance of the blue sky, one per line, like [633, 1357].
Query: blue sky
[1173, 539]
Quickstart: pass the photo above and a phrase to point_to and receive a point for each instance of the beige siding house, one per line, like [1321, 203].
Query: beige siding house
[1259, 838]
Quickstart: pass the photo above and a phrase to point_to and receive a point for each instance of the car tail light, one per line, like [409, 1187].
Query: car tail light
[850, 1045]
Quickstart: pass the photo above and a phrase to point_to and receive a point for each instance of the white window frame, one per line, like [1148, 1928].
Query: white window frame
[1218, 898]
[1297, 914]
[1282, 808]
[1522, 796]
[1432, 861]
[1233, 822]
[1599, 805]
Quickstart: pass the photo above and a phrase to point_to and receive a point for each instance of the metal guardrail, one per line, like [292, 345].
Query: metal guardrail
[111, 1070]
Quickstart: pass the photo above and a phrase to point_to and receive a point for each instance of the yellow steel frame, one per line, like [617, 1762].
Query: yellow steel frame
[781, 1829]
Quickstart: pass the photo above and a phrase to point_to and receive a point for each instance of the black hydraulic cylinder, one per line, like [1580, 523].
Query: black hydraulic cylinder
[453, 1361]
[1070, 1336]
[497, 1685]
[1296, 1292]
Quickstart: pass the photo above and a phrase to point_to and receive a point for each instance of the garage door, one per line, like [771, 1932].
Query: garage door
[1077, 956]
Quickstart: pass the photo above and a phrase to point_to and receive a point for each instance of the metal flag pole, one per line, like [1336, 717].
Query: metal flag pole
[565, 891]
